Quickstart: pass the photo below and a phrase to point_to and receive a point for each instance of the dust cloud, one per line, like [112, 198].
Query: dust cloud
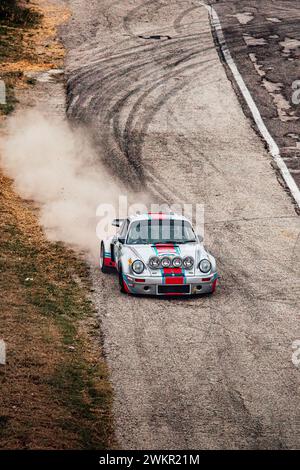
[57, 167]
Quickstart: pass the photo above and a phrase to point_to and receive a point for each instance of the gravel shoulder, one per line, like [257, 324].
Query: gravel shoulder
[214, 372]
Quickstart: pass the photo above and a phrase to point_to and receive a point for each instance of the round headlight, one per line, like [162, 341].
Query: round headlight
[188, 262]
[138, 266]
[166, 262]
[154, 262]
[177, 262]
[205, 265]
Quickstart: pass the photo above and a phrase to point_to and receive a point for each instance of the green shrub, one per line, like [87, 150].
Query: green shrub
[12, 13]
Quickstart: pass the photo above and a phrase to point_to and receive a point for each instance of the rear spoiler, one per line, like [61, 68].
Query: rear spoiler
[117, 222]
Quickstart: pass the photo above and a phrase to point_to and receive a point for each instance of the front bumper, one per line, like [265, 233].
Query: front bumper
[158, 286]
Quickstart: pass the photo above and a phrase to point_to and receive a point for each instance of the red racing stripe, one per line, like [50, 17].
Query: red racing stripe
[175, 280]
[157, 215]
[172, 271]
[166, 248]
[173, 276]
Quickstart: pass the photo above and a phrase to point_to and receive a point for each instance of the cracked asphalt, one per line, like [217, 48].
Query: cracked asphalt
[200, 373]
[264, 39]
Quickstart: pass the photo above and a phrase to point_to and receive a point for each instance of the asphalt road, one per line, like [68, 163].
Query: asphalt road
[264, 39]
[211, 372]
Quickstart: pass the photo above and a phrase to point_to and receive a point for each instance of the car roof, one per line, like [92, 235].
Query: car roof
[157, 216]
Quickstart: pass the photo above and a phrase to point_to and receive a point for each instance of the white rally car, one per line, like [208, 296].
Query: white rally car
[159, 254]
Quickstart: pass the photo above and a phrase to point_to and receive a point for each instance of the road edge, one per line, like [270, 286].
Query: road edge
[261, 126]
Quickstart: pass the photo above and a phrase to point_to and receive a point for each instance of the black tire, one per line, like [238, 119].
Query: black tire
[121, 281]
[103, 268]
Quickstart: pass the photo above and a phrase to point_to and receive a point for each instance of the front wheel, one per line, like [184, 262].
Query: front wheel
[214, 286]
[123, 287]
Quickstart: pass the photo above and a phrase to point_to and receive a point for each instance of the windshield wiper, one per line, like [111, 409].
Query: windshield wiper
[174, 242]
[166, 242]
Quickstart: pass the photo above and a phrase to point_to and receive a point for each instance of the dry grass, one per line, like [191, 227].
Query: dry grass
[55, 392]
[29, 45]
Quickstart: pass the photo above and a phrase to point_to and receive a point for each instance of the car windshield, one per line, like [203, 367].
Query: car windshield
[143, 232]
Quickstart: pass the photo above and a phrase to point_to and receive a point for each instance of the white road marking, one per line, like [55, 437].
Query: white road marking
[273, 147]
[2, 92]
[2, 352]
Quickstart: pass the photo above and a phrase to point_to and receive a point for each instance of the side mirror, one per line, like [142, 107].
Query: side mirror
[200, 238]
[117, 222]
[121, 240]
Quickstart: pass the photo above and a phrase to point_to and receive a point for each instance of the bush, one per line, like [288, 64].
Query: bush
[12, 13]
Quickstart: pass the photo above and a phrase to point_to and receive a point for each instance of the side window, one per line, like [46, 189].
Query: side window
[124, 228]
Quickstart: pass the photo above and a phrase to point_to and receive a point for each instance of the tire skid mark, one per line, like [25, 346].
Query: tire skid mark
[137, 49]
[152, 60]
[130, 141]
[75, 81]
[127, 19]
[94, 67]
[136, 144]
[98, 84]
[161, 81]
[177, 23]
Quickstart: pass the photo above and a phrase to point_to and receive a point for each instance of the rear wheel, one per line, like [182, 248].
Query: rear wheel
[103, 268]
